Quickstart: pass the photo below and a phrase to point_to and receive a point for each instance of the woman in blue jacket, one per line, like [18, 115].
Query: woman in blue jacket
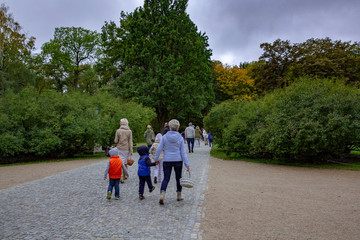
[174, 157]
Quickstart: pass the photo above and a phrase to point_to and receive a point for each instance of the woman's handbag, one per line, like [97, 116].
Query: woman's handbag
[130, 162]
[187, 182]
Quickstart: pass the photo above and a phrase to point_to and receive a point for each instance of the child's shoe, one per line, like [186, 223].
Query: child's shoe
[141, 197]
[153, 188]
[108, 195]
[155, 180]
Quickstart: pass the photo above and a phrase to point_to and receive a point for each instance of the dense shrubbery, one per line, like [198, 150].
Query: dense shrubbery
[219, 117]
[310, 121]
[54, 125]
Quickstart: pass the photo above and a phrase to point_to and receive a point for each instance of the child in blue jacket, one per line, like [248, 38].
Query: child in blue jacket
[144, 173]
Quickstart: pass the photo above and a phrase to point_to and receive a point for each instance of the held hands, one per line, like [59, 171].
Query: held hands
[157, 163]
[104, 178]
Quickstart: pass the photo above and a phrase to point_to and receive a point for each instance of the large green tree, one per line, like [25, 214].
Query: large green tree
[67, 53]
[283, 62]
[15, 53]
[165, 59]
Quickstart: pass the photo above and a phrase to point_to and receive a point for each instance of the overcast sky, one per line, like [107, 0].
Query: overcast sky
[235, 28]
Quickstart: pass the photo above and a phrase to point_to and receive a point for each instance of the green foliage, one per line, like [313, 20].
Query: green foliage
[66, 58]
[166, 61]
[54, 125]
[219, 117]
[310, 121]
[15, 53]
[282, 62]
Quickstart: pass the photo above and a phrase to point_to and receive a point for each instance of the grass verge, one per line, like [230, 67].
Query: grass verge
[220, 153]
[79, 157]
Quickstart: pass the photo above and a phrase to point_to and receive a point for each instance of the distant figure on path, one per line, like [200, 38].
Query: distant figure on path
[166, 128]
[190, 135]
[197, 135]
[149, 136]
[115, 168]
[210, 138]
[205, 136]
[124, 142]
[174, 157]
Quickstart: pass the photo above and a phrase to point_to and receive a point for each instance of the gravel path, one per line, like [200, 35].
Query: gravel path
[262, 201]
[231, 200]
[73, 205]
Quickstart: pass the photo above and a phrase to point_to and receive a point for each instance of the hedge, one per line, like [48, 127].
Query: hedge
[55, 125]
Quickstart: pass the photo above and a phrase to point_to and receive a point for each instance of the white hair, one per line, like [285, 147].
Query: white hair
[174, 125]
[124, 122]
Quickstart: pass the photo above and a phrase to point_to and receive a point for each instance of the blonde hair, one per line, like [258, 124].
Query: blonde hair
[174, 125]
[123, 122]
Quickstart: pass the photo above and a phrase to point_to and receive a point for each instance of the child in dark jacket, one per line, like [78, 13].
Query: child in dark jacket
[144, 170]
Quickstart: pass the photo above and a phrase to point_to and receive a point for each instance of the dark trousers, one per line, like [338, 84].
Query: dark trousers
[167, 166]
[142, 180]
[114, 183]
[190, 140]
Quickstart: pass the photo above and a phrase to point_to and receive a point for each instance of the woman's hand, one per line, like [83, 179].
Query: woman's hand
[188, 169]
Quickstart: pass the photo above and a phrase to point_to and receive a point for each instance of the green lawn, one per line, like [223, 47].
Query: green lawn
[79, 157]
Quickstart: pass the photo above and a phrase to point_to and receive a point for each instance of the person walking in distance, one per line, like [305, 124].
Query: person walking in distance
[197, 135]
[149, 136]
[190, 135]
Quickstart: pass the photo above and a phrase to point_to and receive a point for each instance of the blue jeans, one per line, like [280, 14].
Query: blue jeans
[114, 183]
[167, 166]
[142, 180]
[190, 140]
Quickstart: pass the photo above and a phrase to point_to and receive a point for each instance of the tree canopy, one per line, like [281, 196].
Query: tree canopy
[15, 53]
[283, 62]
[165, 59]
[69, 54]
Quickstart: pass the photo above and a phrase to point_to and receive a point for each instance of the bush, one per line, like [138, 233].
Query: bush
[310, 121]
[53, 125]
[219, 117]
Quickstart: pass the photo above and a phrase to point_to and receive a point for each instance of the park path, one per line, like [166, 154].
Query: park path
[72, 205]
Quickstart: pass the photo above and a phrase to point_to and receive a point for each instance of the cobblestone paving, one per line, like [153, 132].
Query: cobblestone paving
[73, 205]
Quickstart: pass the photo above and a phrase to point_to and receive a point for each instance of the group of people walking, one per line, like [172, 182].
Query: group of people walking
[193, 135]
[165, 152]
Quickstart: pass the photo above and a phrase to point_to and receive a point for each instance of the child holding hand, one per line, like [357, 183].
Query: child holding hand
[144, 173]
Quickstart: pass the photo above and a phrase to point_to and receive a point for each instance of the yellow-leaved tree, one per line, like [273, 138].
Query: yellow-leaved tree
[234, 81]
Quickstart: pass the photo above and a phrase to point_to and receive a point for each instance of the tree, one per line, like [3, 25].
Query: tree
[166, 61]
[65, 55]
[15, 53]
[235, 82]
[283, 62]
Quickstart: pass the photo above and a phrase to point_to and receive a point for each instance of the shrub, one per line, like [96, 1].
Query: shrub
[310, 121]
[52, 124]
[219, 117]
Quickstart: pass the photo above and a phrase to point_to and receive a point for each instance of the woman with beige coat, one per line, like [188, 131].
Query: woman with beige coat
[123, 140]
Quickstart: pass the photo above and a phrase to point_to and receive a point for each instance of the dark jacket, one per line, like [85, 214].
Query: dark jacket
[144, 161]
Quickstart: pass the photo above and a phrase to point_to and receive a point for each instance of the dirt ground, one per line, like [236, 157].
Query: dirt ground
[259, 201]
[255, 201]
